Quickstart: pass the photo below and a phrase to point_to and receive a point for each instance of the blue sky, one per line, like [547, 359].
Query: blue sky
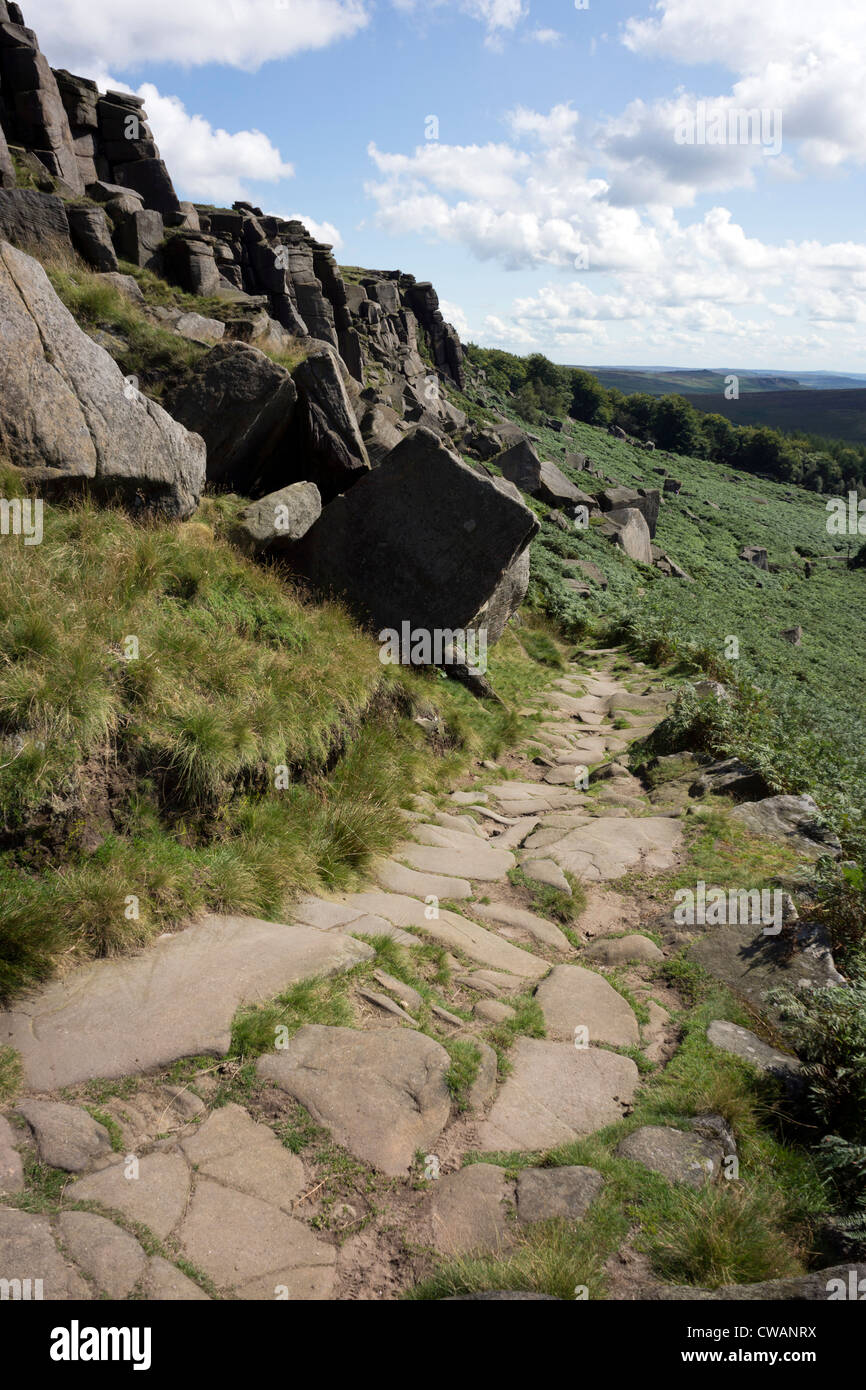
[557, 207]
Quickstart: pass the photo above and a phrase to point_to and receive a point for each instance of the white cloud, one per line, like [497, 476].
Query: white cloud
[548, 36]
[322, 231]
[210, 164]
[84, 35]
[806, 60]
[453, 314]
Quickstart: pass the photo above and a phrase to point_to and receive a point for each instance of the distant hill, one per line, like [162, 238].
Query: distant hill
[662, 381]
[834, 414]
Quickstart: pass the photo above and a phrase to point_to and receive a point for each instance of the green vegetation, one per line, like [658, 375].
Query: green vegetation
[673, 423]
[254, 748]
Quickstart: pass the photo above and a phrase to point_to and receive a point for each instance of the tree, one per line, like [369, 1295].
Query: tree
[589, 399]
[675, 425]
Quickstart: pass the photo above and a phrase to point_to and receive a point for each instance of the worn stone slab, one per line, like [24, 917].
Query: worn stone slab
[111, 1257]
[405, 994]
[468, 1211]
[609, 846]
[493, 1011]
[28, 1252]
[618, 950]
[322, 913]
[490, 982]
[484, 1085]
[248, 1247]
[456, 932]
[556, 1092]
[547, 1194]
[397, 878]
[157, 1197]
[506, 914]
[66, 1136]
[11, 1165]
[382, 1094]
[482, 862]
[182, 994]
[546, 871]
[572, 997]
[465, 825]
[514, 836]
[231, 1148]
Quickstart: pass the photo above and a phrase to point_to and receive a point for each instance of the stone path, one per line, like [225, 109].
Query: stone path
[232, 1209]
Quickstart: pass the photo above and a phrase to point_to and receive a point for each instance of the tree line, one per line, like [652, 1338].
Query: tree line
[540, 389]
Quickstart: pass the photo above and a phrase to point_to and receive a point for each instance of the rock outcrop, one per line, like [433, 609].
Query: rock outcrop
[67, 415]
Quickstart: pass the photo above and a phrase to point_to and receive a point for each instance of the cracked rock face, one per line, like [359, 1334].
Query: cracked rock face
[66, 412]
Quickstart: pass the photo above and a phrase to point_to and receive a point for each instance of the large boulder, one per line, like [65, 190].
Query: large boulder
[628, 529]
[522, 466]
[423, 539]
[66, 413]
[792, 820]
[645, 500]
[138, 238]
[327, 429]
[241, 403]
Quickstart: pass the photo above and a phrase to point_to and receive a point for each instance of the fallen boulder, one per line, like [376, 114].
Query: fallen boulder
[792, 820]
[628, 529]
[521, 465]
[276, 521]
[336, 455]
[66, 413]
[425, 540]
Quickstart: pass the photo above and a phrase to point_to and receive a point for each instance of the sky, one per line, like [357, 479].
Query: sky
[673, 182]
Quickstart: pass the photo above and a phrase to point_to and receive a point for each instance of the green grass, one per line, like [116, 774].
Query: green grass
[135, 793]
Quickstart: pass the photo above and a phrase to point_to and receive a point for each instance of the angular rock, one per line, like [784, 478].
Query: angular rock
[248, 1247]
[572, 998]
[156, 1197]
[606, 847]
[791, 820]
[742, 1043]
[751, 963]
[151, 179]
[242, 404]
[628, 529]
[548, 1194]
[112, 1258]
[546, 871]
[381, 1094]
[183, 994]
[66, 1136]
[138, 238]
[421, 539]
[731, 776]
[555, 1094]
[522, 466]
[623, 499]
[200, 329]
[91, 236]
[66, 412]
[235, 1151]
[336, 453]
[34, 221]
